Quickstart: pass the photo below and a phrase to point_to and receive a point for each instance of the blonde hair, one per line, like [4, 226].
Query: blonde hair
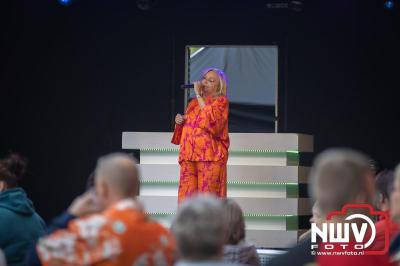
[223, 80]
[235, 222]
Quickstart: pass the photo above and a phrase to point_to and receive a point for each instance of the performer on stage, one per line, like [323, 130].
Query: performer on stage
[202, 133]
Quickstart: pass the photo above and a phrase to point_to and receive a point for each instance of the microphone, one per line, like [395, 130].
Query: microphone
[187, 86]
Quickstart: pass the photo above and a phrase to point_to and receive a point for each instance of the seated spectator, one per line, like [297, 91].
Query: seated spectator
[315, 218]
[237, 249]
[384, 181]
[384, 187]
[395, 214]
[200, 231]
[20, 225]
[338, 177]
[109, 227]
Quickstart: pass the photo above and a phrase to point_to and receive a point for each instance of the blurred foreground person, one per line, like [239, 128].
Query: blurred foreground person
[384, 182]
[200, 232]
[338, 177]
[20, 225]
[315, 218]
[237, 249]
[395, 214]
[109, 228]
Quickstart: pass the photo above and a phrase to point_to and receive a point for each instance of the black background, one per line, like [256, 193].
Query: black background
[74, 78]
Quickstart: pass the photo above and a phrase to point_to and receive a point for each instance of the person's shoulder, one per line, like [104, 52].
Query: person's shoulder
[222, 100]
[39, 220]
[96, 221]
[7, 215]
[192, 102]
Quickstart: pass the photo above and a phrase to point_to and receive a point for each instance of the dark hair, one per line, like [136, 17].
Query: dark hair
[12, 168]
[384, 183]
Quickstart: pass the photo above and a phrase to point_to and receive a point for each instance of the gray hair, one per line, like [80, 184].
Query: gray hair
[119, 171]
[200, 228]
[340, 176]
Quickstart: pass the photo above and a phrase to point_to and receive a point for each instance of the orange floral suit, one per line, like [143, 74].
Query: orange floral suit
[204, 143]
[121, 235]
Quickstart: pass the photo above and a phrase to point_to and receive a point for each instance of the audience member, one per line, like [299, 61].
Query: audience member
[384, 186]
[200, 231]
[237, 249]
[384, 181]
[20, 225]
[395, 214]
[317, 218]
[109, 227]
[338, 177]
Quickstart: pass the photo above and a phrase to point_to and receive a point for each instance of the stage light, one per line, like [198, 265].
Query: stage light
[389, 4]
[65, 2]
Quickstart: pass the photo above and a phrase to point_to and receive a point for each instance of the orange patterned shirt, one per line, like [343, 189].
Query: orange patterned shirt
[121, 235]
[205, 131]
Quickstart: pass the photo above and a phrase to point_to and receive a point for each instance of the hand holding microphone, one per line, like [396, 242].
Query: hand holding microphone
[197, 86]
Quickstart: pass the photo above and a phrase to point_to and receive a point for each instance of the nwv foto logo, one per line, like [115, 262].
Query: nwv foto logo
[351, 234]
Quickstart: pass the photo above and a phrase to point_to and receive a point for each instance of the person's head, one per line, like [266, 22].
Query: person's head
[317, 216]
[395, 196]
[234, 221]
[384, 186]
[12, 168]
[214, 82]
[341, 176]
[116, 178]
[200, 229]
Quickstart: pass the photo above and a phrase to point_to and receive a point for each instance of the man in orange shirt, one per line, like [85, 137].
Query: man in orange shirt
[202, 134]
[117, 231]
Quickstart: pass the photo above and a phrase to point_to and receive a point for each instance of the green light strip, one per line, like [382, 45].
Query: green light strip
[252, 215]
[173, 182]
[232, 151]
[159, 150]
